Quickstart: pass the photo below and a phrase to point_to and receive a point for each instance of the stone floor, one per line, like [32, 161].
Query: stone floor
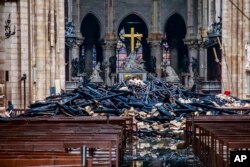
[160, 152]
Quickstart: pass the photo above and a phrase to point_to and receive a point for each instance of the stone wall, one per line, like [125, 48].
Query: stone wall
[143, 9]
[235, 35]
[36, 49]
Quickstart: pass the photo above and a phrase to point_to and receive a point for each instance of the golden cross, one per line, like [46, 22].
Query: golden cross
[132, 36]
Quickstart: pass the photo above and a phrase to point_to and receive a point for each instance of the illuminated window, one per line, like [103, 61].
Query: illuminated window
[94, 58]
[121, 54]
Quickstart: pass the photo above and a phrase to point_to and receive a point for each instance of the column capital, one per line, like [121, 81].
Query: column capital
[155, 37]
[109, 44]
[110, 36]
[192, 43]
[154, 43]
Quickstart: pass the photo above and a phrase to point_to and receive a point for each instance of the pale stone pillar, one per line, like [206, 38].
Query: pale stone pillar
[108, 51]
[234, 75]
[191, 40]
[201, 29]
[155, 36]
[75, 55]
[226, 41]
[8, 52]
[109, 39]
[60, 44]
[246, 32]
[74, 7]
[155, 16]
[156, 51]
[2, 32]
[174, 58]
[109, 19]
[240, 52]
[193, 54]
[88, 59]
[203, 52]
[36, 49]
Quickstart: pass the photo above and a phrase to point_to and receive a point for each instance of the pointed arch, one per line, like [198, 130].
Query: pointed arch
[173, 13]
[138, 23]
[90, 20]
[178, 28]
[131, 14]
[175, 31]
[92, 51]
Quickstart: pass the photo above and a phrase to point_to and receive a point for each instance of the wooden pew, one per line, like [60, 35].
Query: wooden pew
[125, 122]
[189, 131]
[215, 136]
[26, 138]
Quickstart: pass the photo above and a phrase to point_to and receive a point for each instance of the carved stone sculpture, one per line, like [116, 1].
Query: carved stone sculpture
[132, 64]
[95, 77]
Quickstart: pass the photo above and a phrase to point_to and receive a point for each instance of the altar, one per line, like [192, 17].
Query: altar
[126, 75]
[133, 67]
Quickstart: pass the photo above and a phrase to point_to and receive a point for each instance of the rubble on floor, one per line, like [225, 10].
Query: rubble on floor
[151, 101]
[158, 110]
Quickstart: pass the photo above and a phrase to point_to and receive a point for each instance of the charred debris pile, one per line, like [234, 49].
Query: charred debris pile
[158, 109]
[155, 105]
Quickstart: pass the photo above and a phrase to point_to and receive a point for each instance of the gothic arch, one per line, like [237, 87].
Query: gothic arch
[174, 32]
[121, 19]
[97, 18]
[169, 16]
[182, 23]
[140, 26]
[93, 51]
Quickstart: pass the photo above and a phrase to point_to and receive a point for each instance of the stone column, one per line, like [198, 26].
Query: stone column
[155, 36]
[9, 50]
[79, 39]
[193, 50]
[191, 39]
[174, 55]
[156, 51]
[200, 35]
[60, 44]
[88, 59]
[75, 55]
[155, 16]
[246, 31]
[108, 51]
[226, 41]
[203, 52]
[109, 17]
[109, 39]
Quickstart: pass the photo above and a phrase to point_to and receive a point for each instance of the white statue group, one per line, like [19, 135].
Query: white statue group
[133, 64]
[95, 77]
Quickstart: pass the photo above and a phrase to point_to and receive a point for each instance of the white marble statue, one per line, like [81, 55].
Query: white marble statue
[132, 64]
[95, 76]
[171, 75]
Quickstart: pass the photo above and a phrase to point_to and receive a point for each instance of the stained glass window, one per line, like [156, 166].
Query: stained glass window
[94, 58]
[138, 47]
[165, 52]
[121, 54]
[82, 60]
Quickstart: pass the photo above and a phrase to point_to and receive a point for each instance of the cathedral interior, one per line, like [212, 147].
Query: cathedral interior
[56, 47]
[195, 39]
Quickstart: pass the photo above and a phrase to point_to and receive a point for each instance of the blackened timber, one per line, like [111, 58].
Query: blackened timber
[96, 101]
[185, 106]
[213, 108]
[107, 110]
[112, 96]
